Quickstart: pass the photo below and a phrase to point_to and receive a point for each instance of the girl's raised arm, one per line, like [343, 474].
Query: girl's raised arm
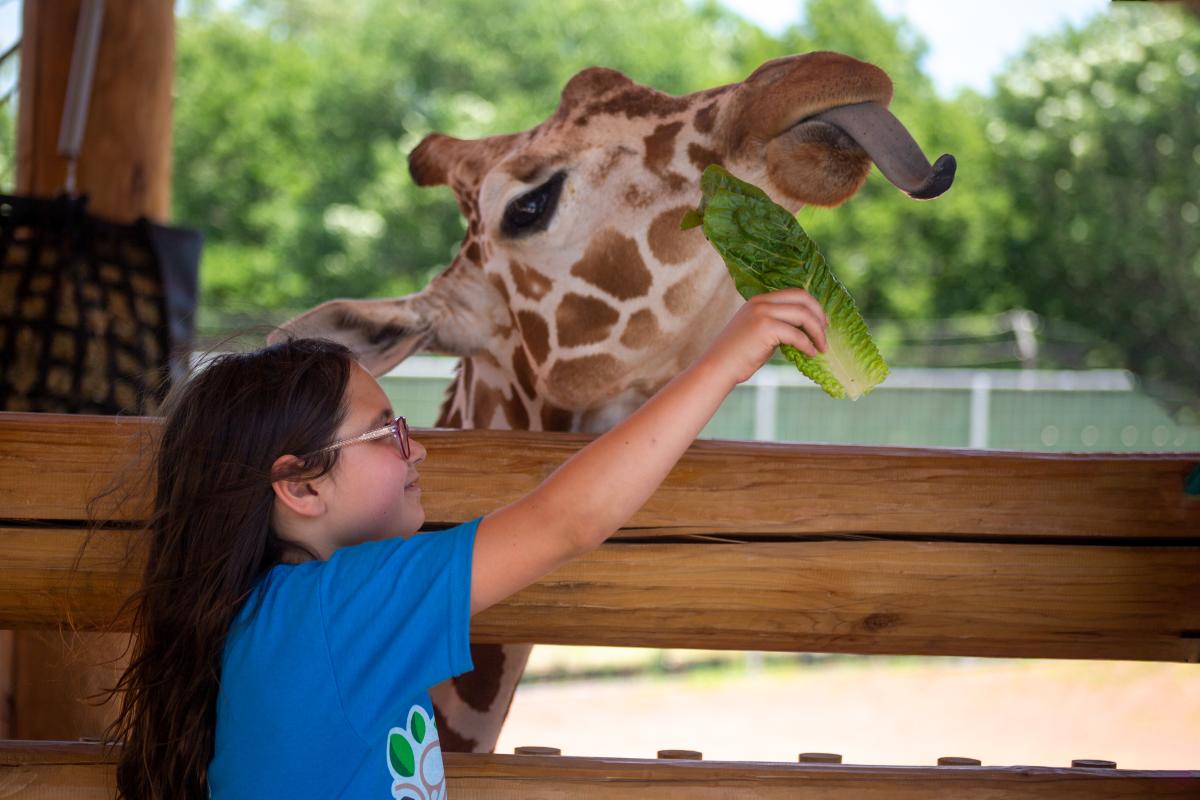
[598, 489]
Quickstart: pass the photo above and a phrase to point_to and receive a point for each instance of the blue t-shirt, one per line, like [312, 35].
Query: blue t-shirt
[324, 685]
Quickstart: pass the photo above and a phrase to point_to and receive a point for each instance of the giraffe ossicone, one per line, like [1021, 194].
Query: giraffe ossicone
[576, 295]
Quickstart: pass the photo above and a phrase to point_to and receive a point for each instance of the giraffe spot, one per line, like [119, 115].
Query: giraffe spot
[480, 687]
[660, 147]
[701, 157]
[612, 263]
[484, 407]
[583, 320]
[555, 418]
[455, 420]
[636, 197]
[640, 101]
[585, 381]
[669, 244]
[682, 296]
[641, 330]
[515, 412]
[614, 157]
[529, 282]
[451, 740]
[523, 371]
[488, 357]
[705, 118]
[473, 252]
[536, 335]
[498, 282]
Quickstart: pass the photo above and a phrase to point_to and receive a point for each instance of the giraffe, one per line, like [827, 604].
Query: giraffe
[575, 295]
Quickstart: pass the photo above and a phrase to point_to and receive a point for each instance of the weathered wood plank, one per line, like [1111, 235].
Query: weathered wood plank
[51, 465]
[77, 771]
[899, 597]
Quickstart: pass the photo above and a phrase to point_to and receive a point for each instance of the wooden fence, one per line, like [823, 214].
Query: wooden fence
[745, 546]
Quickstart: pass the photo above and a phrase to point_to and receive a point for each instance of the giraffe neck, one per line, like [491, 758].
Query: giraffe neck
[473, 403]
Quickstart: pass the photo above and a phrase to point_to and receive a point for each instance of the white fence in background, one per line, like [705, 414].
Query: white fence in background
[980, 382]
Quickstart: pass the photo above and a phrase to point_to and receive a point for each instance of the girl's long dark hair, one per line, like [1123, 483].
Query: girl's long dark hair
[210, 540]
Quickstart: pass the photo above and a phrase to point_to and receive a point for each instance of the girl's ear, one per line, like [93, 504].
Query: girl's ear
[297, 495]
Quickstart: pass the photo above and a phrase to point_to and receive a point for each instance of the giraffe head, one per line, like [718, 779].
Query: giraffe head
[574, 290]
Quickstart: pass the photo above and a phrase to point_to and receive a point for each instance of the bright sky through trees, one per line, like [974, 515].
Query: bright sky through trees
[969, 40]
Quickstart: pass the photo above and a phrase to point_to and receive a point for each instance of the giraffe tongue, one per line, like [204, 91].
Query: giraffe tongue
[892, 149]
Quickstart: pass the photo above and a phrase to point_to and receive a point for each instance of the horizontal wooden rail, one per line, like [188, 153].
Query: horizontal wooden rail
[897, 597]
[51, 465]
[83, 771]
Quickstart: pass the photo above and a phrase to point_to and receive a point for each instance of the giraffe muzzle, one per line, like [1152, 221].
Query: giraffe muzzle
[892, 148]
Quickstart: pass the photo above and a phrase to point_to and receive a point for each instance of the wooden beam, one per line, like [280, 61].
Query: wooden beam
[877, 597]
[85, 771]
[53, 464]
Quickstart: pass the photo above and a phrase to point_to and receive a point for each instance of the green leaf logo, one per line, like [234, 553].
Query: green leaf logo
[401, 757]
[416, 726]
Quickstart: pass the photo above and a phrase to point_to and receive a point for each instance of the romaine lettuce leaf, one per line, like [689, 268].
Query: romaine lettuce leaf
[765, 249]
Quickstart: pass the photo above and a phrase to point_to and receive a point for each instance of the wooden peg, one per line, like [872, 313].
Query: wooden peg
[820, 758]
[1093, 763]
[535, 750]
[958, 761]
[681, 755]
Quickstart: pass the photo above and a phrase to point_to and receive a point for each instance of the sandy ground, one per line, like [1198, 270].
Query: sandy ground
[878, 710]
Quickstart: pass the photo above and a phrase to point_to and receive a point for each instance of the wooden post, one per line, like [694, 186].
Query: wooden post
[124, 168]
[124, 165]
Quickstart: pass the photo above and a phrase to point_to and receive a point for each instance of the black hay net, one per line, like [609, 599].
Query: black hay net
[95, 316]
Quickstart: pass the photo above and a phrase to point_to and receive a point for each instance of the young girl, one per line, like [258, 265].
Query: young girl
[290, 624]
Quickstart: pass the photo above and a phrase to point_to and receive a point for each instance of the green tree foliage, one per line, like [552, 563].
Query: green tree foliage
[1097, 145]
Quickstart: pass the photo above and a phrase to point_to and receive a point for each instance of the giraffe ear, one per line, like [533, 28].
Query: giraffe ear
[432, 161]
[429, 162]
[457, 314]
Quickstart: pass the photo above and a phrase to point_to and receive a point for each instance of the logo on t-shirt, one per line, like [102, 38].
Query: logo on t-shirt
[414, 757]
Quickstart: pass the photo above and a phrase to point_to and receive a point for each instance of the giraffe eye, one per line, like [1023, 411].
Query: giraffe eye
[532, 211]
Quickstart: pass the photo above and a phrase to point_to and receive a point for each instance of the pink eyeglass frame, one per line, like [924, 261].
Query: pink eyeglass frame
[397, 427]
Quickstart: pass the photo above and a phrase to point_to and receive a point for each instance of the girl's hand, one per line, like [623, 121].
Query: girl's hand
[786, 316]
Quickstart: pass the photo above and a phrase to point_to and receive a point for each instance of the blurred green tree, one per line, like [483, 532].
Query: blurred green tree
[1096, 137]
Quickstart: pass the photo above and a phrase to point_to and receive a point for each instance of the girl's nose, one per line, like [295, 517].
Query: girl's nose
[417, 451]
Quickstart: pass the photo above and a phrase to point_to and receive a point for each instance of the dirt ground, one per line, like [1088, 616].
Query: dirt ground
[877, 710]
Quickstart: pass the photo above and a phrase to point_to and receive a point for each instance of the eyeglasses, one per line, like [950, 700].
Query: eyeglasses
[397, 428]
